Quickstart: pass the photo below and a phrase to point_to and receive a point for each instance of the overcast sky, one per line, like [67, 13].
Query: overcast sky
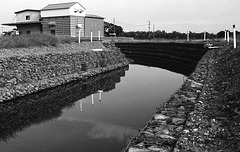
[132, 15]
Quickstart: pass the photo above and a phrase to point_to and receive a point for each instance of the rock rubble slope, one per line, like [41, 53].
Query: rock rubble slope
[203, 115]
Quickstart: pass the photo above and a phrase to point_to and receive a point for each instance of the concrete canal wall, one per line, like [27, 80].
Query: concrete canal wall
[173, 56]
[203, 115]
[27, 70]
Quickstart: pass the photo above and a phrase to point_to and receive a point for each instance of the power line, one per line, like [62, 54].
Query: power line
[131, 24]
[137, 25]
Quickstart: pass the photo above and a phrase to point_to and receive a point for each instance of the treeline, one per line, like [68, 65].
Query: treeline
[165, 35]
[159, 34]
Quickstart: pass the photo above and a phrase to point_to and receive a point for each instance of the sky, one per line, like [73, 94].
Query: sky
[134, 15]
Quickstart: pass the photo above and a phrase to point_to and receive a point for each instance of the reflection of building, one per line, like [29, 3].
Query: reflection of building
[59, 19]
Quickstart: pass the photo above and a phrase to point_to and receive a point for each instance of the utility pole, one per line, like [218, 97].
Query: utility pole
[149, 28]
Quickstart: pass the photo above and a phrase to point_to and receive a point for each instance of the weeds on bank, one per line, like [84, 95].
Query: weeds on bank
[24, 41]
[33, 40]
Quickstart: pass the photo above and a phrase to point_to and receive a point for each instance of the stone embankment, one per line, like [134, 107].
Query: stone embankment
[27, 70]
[203, 115]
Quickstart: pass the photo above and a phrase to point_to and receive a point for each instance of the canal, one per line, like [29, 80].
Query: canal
[99, 114]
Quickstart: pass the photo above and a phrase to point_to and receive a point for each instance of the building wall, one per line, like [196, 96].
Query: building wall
[33, 28]
[34, 16]
[75, 20]
[64, 12]
[94, 25]
[62, 25]
[77, 10]
[55, 13]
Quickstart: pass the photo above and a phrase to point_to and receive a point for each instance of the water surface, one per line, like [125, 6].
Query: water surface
[72, 118]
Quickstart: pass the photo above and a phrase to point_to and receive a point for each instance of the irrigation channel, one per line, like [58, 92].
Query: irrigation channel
[99, 114]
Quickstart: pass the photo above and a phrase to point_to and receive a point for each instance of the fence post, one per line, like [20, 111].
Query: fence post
[187, 35]
[225, 36]
[92, 99]
[228, 36]
[204, 37]
[79, 36]
[99, 35]
[91, 36]
[234, 37]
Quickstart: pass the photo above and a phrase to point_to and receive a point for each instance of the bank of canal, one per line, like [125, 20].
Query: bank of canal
[203, 115]
[27, 70]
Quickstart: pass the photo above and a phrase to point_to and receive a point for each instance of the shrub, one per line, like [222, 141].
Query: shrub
[49, 40]
[65, 39]
[41, 39]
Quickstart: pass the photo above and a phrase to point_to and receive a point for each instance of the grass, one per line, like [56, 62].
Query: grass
[25, 41]
[36, 40]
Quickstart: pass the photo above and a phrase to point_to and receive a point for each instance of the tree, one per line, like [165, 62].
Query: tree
[109, 29]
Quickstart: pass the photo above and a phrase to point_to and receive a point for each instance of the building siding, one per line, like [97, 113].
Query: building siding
[62, 25]
[34, 16]
[33, 28]
[75, 20]
[94, 25]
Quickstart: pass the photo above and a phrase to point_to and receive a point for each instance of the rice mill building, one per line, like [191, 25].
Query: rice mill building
[65, 19]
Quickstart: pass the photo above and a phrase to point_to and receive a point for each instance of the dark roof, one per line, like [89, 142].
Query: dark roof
[60, 6]
[32, 10]
[22, 23]
[93, 16]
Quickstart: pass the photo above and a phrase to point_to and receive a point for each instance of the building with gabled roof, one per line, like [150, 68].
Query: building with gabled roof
[65, 19]
[60, 6]
[27, 21]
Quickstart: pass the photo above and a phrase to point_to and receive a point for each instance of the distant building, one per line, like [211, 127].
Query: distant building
[27, 21]
[59, 19]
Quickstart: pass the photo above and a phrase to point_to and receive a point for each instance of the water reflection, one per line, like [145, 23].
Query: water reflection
[181, 66]
[116, 115]
[101, 130]
[18, 114]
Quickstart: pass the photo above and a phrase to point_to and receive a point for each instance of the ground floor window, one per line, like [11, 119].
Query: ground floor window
[53, 32]
[28, 32]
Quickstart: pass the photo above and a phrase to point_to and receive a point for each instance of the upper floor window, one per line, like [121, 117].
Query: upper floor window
[27, 17]
[78, 11]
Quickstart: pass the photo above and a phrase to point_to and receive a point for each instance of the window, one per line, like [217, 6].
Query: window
[53, 32]
[27, 17]
[28, 32]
